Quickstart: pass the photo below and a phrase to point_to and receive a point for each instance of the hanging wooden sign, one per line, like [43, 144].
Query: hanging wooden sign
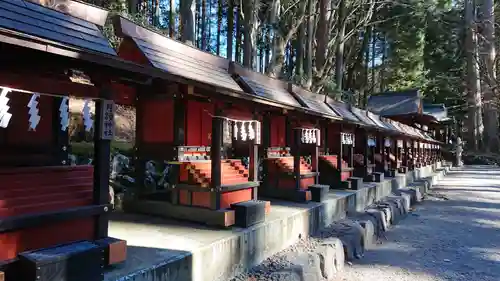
[107, 120]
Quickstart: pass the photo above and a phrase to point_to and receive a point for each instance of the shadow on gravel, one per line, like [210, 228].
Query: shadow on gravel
[447, 237]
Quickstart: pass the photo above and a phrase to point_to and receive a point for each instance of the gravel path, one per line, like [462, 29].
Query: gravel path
[453, 235]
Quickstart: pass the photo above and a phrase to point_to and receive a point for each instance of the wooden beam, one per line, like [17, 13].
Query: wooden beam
[102, 150]
[34, 220]
[38, 84]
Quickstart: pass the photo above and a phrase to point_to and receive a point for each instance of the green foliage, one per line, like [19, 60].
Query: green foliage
[444, 58]
[86, 149]
[405, 35]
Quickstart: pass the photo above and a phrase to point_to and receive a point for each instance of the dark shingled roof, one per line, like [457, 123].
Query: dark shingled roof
[311, 101]
[376, 119]
[263, 86]
[177, 58]
[343, 109]
[396, 103]
[438, 111]
[36, 20]
[361, 114]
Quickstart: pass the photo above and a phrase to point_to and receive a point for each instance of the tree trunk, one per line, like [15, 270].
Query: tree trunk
[281, 38]
[491, 141]
[230, 29]
[132, 6]
[322, 33]
[366, 49]
[308, 62]
[382, 65]
[188, 8]
[219, 26]
[473, 83]
[171, 19]
[339, 55]
[251, 24]
[299, 50]
[203, 21]
[374, 44]
[238, 34]
[198, 27]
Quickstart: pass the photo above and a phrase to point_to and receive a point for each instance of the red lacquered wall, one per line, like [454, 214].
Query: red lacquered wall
[198, 123]
[157, 120]
[278, 131]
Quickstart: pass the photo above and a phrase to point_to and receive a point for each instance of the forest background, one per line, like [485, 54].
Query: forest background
[350, 49]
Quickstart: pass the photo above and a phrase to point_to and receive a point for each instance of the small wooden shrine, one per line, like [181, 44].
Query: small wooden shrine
[53, 216]
[201, 126]
[367, 143]
[291, 140]
[341, 143]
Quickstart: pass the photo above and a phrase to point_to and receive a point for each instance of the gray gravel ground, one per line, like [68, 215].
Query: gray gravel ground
[453, 235]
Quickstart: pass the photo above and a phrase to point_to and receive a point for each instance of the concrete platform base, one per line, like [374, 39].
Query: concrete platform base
[161, 249]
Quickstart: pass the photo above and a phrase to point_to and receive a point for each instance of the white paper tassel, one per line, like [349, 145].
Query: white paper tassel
[243, 132]
[5, 116]
[64, 113]
[257, 132]
[313, 136]
[251, 131]
[318, 137]
[33, 112]
[87, 120]
[235, 130]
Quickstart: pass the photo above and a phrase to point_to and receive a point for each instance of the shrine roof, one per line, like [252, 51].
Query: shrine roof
[438, 111]
[177, 58]
[27, 18]
[361, 114]
[263, 86]
[312, 101]
[344, 110]
[396, 103]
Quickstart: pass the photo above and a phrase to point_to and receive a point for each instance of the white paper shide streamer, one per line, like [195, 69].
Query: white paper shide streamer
[347, 138]
[5, 116]
[87, 119]
[64, 113]
[243, 132]
[246, 130]
[310, 136]
[33, 112]
[251, 132]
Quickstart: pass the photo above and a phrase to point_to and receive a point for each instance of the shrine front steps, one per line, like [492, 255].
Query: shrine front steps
[233, 172]
[240, 249]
